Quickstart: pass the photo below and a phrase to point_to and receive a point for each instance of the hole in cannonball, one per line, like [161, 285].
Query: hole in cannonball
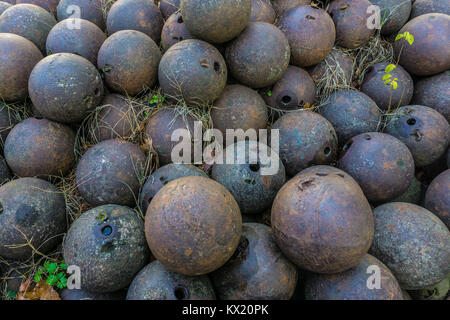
[107, 230]
[97, 91]
[411, 121]
[180, 20]
[216, 66]
[367, 137]
[181, 293]
[254, 167]
[321, 174]
[347, 145]
[286, 99]
[310, 17]
[39, 118]
[1, 208]
[327, 151]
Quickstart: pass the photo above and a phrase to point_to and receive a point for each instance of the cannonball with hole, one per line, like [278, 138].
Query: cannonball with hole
[294, 90]
[32, 211]
[155, 282]
[115, 119]
[262, 10]
[437, 198]
[169, 7]
[322, 221]
[351, 19]
[193, 225]
[239, 107]
[311, 34]
[424, 131]
[108, 244]
[413, 243]
[306, 138]
[163, 176]
[252, 180]
[259, 56]
[84, 41]
[5, 172]
[48, 5]
[18, 56]
[29, 21]
[80, 294]
[337, 64]
[109, 172]
[393, 14]
[383, 94]
[353, 284]
[139, 15]
[434, 92]
[257, 270]
[174, 31]
[90, 10]
[40, 147]
[420, 7]
[4, 6]
[65, 87]
[351, 113]
[194, 71]
[381, 164]
[129, 71]
[428, 55]
[160, 128]
[282, 6]
[216, 21]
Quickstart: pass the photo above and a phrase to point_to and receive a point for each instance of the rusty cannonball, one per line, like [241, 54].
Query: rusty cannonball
[282, 6]
[163, 176]
[385, 97]
[381, 164]
[353, 284]
[337, 63]
[259, 56]
[109, 172]
[129, 71]
[90, 10]
[413, 243]
[428, 55]
[437, 198]
[108, 244]
[33, 210]
[139, 15]
[424, 131]
[306, 138]
[48, 5]
[239, 107]
[351, 20]
[257, 270]
[393, 14]
[154, 282]
[421, 7]
[322, 221]
[351, 113]
[311, 34]
[262, 10]
[216, 21]
[294, 90]
[193, 225]
[174, 31]
[193, 70]
[160, 128]
[5, 172]
[65, 87]
[4, 6]
[169, 7]
[434, 92]
[18, 56]
[85, 41]
[40, 147]
[29, 21]
[253, 182]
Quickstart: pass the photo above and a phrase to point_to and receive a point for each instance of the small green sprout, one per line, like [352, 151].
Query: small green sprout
[407, 36]
[269, 93]
[388, 78]
[156, 99]
[53, 273]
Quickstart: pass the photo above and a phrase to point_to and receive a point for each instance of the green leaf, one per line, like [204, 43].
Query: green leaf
[51, 280]
[410, 39]
[37, 278]
[399, 36]
[62, 283]
[390, 68]
[394, 85]
[269, 94]
[386, 76]
[51, 269]
[387, 81]
[46, 264]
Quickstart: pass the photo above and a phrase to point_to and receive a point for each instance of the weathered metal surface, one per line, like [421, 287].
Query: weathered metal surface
[40, 147]
[413, 243]
[322, 221]
[193, 225]
[49, 5]
[424, 131]
[109, 172]
[282, 6]
[90, 10]
[414, 194]
[393, 14]
[65, 87]
[34, 211]
[174, 31]
[262, 10]
[421, 7]
[4, 6]
[169, 7]
[437, 198]
[108, 244]
[155, 282]
[339, 64]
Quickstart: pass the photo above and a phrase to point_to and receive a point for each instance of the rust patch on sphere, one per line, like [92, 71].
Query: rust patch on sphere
[381, 164]
[48, 5]
[129, 71]
[216, 21]
[437, 198]
[262, 10]
[428, 55]
[18, 56]
[322, 221]
[193, 225]
[174, 31]
[259, 56]
[91, 10]
[109, 172]
[65, 87]
[39, 147]
[169, 7]
[193, 70]
[282, 6]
